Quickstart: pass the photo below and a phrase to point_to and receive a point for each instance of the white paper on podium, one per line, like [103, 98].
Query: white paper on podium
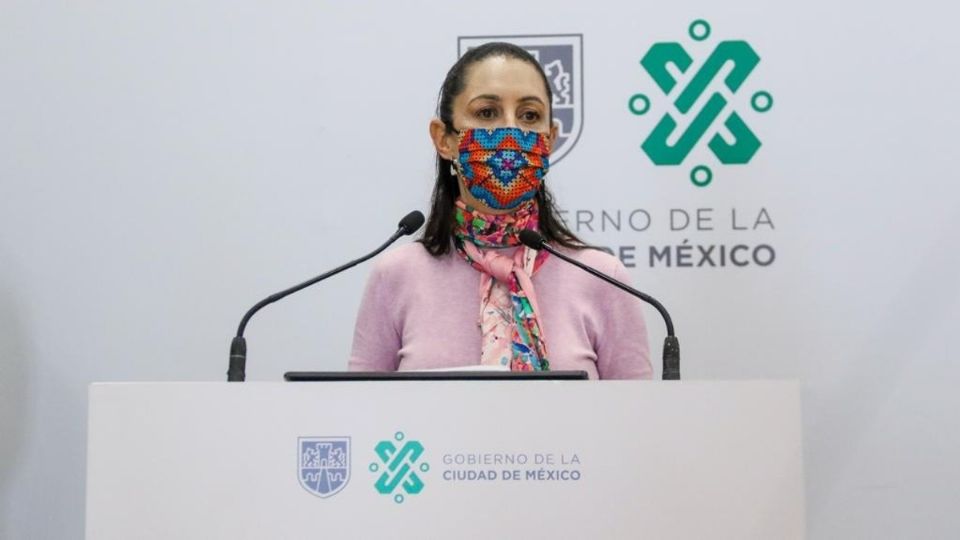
[476, 368]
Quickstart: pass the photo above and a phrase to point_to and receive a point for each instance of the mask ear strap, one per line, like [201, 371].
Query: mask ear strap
[454, 169]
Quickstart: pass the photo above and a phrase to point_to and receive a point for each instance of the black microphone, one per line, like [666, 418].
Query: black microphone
[237, 372]
[671, 347]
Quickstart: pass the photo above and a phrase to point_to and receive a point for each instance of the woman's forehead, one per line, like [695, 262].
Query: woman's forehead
[504, 77]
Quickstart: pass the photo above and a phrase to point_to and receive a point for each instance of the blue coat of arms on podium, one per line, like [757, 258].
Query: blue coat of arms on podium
[324, 467]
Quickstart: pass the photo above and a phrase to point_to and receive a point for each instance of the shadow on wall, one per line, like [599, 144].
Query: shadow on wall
[14, 387]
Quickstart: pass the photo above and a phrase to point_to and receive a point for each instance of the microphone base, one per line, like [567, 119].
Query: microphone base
[237, 372]
[671, 359]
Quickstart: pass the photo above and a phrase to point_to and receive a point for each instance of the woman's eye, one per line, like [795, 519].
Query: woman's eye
[487, 114]
[530, 116]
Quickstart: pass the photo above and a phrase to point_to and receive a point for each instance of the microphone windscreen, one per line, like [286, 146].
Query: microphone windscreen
[411, 222]
[531, 239]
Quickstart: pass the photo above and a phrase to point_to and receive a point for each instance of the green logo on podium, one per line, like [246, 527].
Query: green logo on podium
[398, 467]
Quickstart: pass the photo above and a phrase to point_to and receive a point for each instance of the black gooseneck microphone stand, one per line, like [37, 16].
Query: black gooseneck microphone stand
[237, 372]
[671, 346]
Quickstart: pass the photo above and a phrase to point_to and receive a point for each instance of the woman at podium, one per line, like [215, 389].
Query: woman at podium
[468, 293]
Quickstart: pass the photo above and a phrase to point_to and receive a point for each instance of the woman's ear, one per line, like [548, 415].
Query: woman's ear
[444, 142]
[554, 133]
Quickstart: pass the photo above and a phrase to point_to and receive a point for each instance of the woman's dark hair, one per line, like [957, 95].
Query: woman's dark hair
[440, 224]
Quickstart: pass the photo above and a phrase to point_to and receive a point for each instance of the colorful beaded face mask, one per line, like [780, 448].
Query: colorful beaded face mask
[503, 167]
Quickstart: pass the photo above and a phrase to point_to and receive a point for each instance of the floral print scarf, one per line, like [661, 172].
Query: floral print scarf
[512, 334]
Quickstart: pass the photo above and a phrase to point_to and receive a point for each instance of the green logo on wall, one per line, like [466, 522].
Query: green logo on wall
[743, 59]
[398, 467]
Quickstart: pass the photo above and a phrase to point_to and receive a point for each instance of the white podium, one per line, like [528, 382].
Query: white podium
[429, 459]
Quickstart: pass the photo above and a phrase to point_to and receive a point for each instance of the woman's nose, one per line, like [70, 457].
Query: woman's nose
[510, 121]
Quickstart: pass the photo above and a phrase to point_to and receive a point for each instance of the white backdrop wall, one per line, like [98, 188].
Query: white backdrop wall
[165, 165]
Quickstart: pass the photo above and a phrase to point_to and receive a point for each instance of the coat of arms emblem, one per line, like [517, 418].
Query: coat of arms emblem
[324, 467]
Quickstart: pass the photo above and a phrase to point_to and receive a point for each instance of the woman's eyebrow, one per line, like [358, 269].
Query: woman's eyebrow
[531, 98]
[492, 97]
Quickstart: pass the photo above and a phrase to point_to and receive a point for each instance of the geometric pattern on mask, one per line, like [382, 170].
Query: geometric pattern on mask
[503, 167]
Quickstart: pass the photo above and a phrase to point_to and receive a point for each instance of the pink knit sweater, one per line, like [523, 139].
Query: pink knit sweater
[421, 312]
